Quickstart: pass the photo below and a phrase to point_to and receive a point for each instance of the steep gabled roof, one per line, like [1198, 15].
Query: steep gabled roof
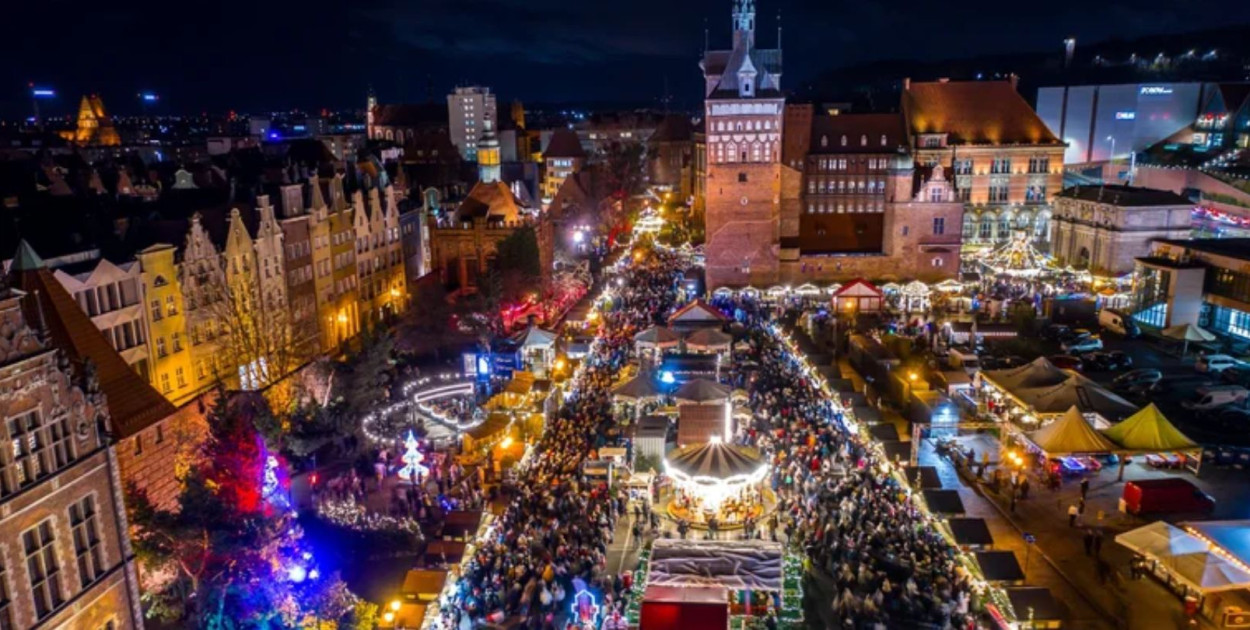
[133, 404]
[564, 144]
[828, 131]
[974, 112]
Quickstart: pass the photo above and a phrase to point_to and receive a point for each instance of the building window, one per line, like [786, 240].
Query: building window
[742, 178]
[6, 601]
[963, 166]
[965, 194]
[906, 230]
[843, 139]
[883, 141]
[42, 568]
[1001, 166]
[177, 340]
[998, 194]
[171, 308]
[165, 382]
[156, 311]
[160, 347]
[180, 377]
[932, 142]
[1039, 164]
[29, 455]
[937, 262]
[987, 228]
[939, 226]
[82, 518]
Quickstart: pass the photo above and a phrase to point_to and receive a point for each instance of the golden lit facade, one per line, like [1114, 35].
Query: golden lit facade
[172, 368]
[94, 125]
[381, 284]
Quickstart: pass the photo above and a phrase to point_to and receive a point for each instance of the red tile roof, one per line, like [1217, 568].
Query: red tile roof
[133, 404]
[974, 112]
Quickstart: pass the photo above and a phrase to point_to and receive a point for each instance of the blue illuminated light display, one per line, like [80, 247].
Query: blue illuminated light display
[667, 377]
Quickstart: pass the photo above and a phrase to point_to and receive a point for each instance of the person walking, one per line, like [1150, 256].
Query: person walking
[1084, 488]
[1089, 542]
[1072, 513]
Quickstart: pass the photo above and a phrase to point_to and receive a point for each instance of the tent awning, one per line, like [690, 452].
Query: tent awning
[1070, 434]
[701, 390]
[1161, 539]
[1187, 332]
[535, 337]
[1149, 430]
[640, 387]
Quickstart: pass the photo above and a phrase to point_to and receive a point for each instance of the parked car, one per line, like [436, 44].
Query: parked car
[1216, 363]
[1215, 397]
[1144, 377]
[1167, 495]
[1118, 322]
[1067, 362]
[1109, 361]
[1236, 375]
[1056, 332]
[1081, 345]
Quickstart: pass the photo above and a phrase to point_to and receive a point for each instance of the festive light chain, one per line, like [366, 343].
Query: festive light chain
[353, 516]
[409, 390]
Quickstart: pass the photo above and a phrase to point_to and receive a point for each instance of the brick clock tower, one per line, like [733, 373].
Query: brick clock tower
[744, 109]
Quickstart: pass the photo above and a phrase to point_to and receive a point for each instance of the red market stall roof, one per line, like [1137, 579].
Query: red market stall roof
[697, 312]
[684, 608]
[858, 288]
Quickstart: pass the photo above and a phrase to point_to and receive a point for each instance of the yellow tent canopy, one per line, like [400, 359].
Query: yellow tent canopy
[1070, 434]
[1149, 430]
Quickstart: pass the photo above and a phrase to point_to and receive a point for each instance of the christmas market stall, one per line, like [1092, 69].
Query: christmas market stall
[537, 348]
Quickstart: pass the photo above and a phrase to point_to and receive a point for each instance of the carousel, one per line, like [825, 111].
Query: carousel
[718, 485]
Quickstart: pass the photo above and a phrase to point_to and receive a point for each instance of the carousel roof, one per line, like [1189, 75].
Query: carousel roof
[639, 387]
[708, 338]
[657, 335]
[701, 390]
[717, 460]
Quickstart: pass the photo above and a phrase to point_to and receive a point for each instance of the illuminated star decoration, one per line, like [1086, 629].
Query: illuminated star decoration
[585, 609]
[412, 459]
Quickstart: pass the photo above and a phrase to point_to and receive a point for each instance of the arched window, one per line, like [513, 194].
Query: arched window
[843, 139]
[731, 150]
[863, 140]
[882, 139]
[824, 141]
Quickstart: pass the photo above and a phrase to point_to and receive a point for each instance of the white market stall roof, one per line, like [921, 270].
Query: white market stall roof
[807, 289]
[535, 337]
[737, 565]
[701, 390]
[1085, 394]
[1207, 572]
[659, 336]
[916, 288]
[949, 286]
[708, 339]
[1187, 332]
[1070, 434]
[1161, 539]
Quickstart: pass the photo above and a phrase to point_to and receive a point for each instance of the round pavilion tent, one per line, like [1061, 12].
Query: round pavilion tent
[701, 391]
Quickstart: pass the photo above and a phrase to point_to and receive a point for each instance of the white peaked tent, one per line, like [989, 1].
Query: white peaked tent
[1186, 333]
[1161, 539]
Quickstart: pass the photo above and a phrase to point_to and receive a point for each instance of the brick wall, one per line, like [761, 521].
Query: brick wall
[150, 460]
[742, 224]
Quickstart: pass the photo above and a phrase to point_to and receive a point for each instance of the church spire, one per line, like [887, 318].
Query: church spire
[744, 23]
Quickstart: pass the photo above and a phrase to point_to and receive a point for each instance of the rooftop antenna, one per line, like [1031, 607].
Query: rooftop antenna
[778, 30]
[705, 35]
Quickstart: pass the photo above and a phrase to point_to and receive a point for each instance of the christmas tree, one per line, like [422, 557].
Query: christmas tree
[412, 460]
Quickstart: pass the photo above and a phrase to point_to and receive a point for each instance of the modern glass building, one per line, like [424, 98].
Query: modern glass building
[1095, 120]
[1200, 281]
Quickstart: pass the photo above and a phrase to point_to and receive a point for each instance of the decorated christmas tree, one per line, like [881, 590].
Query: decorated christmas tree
[412, 460]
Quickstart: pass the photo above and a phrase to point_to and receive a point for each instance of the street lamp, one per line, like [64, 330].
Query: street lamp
[1112, 140]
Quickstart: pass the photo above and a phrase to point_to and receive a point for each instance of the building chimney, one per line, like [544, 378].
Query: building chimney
[906, 83]
[1015, 81]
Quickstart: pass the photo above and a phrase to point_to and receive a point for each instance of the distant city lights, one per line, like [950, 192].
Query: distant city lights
[42, 93]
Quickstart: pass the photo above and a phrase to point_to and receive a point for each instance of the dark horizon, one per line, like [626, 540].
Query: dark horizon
[283, 55]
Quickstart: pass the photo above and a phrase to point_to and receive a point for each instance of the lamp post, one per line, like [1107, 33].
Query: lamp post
[1111, 158]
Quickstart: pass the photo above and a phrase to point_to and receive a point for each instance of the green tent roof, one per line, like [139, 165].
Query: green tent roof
[1149, 430]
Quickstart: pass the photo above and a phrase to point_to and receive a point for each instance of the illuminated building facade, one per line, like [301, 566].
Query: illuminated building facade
[1105, 228]
[562, 157]
[469, 110]
[1005, 163]
[1195, 281]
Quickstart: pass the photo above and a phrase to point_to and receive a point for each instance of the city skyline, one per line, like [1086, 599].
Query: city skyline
[284, 56]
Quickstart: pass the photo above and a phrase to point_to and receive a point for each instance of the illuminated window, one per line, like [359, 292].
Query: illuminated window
[42, 568]
[82, 518]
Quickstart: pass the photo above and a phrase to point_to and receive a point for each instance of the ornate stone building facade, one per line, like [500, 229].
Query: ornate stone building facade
[1106, 228]
[65, 557]
[743, 114]
[1005, 163]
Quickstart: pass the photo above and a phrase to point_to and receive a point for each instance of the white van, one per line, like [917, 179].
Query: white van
[1215, 363]
[1118, 322]
[1216, 396]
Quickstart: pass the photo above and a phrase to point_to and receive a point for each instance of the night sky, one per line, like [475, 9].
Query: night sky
[273, 54]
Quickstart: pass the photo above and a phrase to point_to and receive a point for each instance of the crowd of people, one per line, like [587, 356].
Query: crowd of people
[551, 543]
[884, 566]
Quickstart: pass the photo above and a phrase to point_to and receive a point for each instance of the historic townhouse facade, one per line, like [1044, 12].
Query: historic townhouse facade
[112, 296]
[379, 255]
[65, 558]
[1006, 165]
